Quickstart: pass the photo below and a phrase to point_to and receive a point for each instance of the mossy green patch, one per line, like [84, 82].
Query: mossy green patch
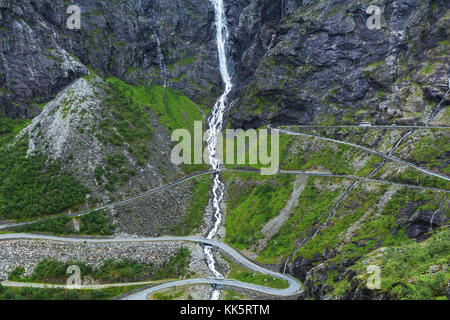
[9, 128]
[313, 206]
[415, 271]
[94, 223]
[337, 160]
[251, 204]
[241, 274]
[197, 205]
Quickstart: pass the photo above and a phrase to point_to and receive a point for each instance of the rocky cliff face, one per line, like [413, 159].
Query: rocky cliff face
[293, 61]
[318, 60]
[117, 38]
[56, 75]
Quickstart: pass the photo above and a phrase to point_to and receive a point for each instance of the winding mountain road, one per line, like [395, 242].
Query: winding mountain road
[294, 285]
[381, 127]
[116, 203]
[142, 295]
[350, 177]
[375, 152]
[293, 289]
[170, 185]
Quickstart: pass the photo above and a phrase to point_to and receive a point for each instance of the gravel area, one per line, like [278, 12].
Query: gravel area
[28, 253]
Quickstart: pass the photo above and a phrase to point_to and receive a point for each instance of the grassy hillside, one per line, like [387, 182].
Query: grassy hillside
[253, 200]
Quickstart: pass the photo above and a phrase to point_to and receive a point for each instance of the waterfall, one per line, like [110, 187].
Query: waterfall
[347, 191]
[162, 65]
[67, 64]
[215, 123]
[399, 142]
[436, 212]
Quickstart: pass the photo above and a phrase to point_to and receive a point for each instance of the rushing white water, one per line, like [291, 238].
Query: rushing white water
[63, 53]
[399, 142]
[436, 212]
[215, 123]
[162, 64]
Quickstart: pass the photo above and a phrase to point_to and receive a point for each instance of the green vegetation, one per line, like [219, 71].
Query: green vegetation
[284, 141]
[9, 128]
[414, 177]
[423, 201]
[167, 296]
[427, 68]
[241, 274]
[430, 150]
[95, 223]
[54, 272]
[336, 159]
[175, 110]
[130, 122]
[29, 293]
[130, 106]
[114, 171]
[194, 218]
[252, 203]
[260, 279]
[34, 186]
[377, 228]
[370, 165]
[357, 228]
[232, 295]
[314, 206]
[369, 227]
[416, 271]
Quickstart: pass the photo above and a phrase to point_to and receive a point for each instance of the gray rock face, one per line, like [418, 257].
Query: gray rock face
[419, 223]
[425, 222]
[292, 61]
[316, 59]
[116, 38]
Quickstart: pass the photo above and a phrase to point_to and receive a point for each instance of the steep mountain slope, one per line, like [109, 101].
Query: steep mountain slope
[106, 138]
[293, 61]
[321, 63]
[321, 229]
[87, 117]
[118, 38]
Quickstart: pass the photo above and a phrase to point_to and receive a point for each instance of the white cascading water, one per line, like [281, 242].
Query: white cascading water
[63, 52]
[215, 123]
[162, 64]
[436, 212]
